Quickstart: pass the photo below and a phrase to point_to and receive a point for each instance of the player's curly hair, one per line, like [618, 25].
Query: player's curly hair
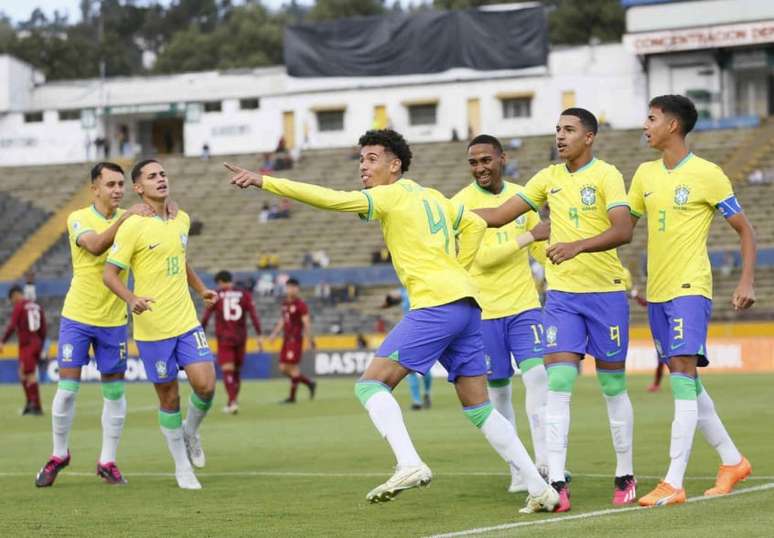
[391, 141]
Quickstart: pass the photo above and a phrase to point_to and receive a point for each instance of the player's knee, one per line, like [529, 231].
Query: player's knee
[113, 390]
[612, 383]
[67, 389]
[561, 377]
[366, 388]
[478, 414]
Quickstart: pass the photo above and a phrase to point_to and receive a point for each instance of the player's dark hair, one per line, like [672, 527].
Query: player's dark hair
[137, 168]
[96, 171]
[14, 289]
[223, 276]
[587, 119]
[487, 139]
[391, 141]
[679, 106]
[292, 282]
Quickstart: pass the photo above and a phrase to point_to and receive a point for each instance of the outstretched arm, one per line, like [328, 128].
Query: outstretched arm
[619, 233]
[744, 294]
[316, 196]
[509, 210]
[493, 255]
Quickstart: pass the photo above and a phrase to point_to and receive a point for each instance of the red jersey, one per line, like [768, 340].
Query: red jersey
[292, 319]
[29, 321]
[230, 322]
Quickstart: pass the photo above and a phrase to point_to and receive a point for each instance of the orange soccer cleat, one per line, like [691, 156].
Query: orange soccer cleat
[663, 494]
[729, 476]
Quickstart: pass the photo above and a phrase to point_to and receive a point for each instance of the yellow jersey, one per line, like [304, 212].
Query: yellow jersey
[679, 204]
[419, 227]
[501, 269]
[88, 300]
[579, 202]
[154, 249]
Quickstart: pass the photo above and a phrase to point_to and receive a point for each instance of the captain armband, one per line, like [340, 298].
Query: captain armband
[729, 207]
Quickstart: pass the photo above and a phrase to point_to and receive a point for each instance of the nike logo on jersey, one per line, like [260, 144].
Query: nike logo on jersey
[554, 191]
[647, 194]
[613, 353]
[154, 245]
[675, 346]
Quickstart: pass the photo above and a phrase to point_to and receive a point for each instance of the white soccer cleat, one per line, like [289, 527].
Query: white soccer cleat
[517, 484]
[193, 447]
[231, 409]
[186, 479]
[406, 478]
[545, 502]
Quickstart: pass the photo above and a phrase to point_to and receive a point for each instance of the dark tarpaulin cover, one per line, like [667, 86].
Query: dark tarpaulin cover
[422, 42]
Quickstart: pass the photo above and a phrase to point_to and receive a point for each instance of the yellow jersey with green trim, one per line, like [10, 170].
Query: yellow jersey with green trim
[501, 269]
[418, 225]
[88, 300]
[155, 251]
[579, 202]
[679, 204]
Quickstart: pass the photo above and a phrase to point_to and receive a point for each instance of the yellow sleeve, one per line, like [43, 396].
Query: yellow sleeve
[322, 197]
[615, 190]
[471, 230]
[125, 243]
[636, 198]
[537, 249]
[77, 225]
[718, 186]
[493, 255]
[534, 192]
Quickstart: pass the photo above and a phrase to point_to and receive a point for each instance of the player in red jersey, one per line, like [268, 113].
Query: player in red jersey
[294, 323]
[29, 322]
[231, 332]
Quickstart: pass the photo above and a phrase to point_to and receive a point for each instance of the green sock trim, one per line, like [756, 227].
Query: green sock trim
[683, 387]
[478, 414]
[365, 389]
[499, 383]
[528, 364]
[70, 385]
[612, 383]
[113, 390]
[699, 387]
[199, 403]
[561, 377]
[170, 421]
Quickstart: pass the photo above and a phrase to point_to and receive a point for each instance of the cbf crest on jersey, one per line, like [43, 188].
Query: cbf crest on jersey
[588, 195]
[681, 194]
[521, 220]
[551, 335]
[161, 368]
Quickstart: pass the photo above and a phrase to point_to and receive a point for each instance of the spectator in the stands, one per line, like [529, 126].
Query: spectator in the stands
[267, 165]
[380, 256]
[263, 216]
[320, 259]
[308, 261]
[322, 291]
[265, 285]
[205, 152]
[380, 326]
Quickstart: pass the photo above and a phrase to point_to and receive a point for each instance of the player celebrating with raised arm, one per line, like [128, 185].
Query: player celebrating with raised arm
[419, 225]
[92, 317]
[680, 193]
[166, 329]
[231, 331]
[29, 322]
[511, 318]
[586, 308]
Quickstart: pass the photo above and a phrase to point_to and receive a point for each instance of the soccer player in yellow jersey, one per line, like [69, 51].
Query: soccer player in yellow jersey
[92, 317]
[167, 331]
[511, 321]
[444, 322]
[586, 309]
[680, 193]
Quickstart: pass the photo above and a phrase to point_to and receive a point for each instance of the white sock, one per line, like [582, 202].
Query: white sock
[176, 447]
[62, 413]
[501, 400]
[536, 384]
[194, 417]
[113, 417]
[621, 416]
[557, 430]
[501, 435]
[714, 432]
[683, 428]
[386, 416]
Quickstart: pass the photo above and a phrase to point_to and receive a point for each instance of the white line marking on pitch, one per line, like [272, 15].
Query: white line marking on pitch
[596, 513]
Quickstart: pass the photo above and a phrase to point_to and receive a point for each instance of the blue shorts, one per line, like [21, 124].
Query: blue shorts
[449, 333]
[520, 335]
[164, 358]
[596, 324]
[679, 327]
[108, 343]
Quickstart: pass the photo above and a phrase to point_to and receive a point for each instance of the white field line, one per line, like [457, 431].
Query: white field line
[588, 515]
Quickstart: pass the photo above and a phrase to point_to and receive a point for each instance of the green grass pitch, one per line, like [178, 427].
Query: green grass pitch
[304, 470]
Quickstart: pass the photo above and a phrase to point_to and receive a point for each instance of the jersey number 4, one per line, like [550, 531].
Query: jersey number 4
[437, 225]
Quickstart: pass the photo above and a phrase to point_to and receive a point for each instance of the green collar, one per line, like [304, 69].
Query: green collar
[100, 215]
[490, 193]
[584, 167]
[678, 165]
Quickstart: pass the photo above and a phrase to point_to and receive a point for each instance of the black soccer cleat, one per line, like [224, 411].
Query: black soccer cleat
[50, 470]
[109, 473]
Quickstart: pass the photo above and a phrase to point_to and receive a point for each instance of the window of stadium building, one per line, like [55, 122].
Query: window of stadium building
[422, 114]
[213, 106]
[520, 107]
[33, 117]
[67, 115]
[330, 120]
[249, 104]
